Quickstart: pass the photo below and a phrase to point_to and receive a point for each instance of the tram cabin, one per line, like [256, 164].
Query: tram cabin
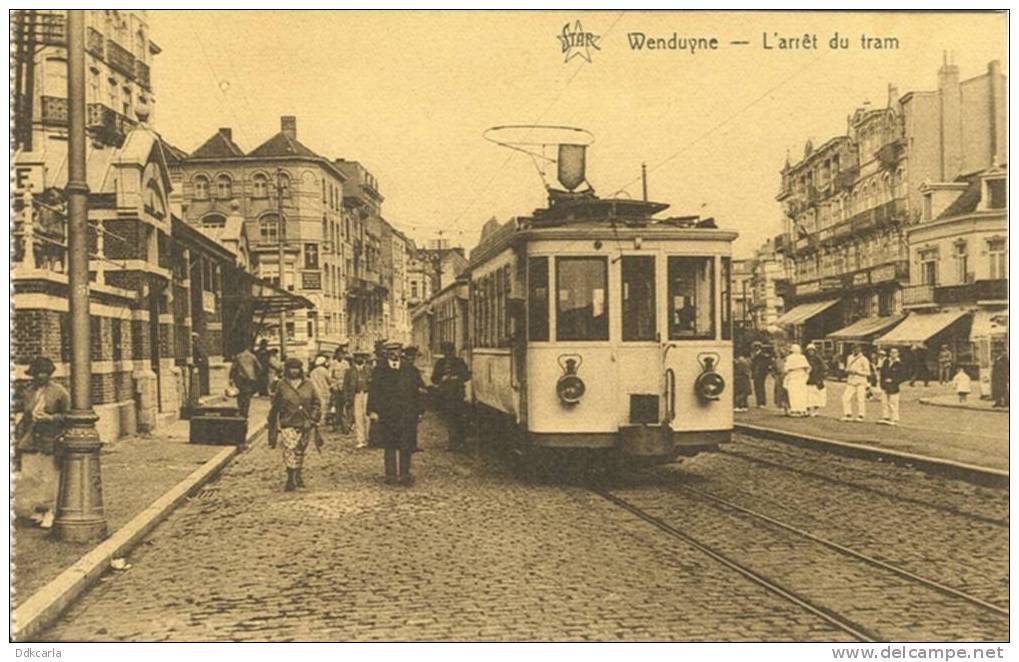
[593, 325]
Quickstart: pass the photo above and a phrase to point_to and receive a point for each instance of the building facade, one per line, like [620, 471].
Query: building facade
[848, 203]
[770, 275]
[220, 183]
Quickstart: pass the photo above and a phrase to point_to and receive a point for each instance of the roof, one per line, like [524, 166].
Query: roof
[199, 237]
[803, 312]
[231, 231]
[283, 145]
[863, 329]
[918, 328]
[218, 146]
[968, 201]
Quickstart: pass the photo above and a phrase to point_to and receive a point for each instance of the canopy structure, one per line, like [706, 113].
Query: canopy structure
[989, 324]
[866, 328]
[918, 328]
[267, 299]
[803, 312]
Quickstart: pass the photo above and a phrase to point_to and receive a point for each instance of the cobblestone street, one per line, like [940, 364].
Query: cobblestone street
[472, 553]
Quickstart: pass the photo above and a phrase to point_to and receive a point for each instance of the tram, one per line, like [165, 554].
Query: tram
[593, 324]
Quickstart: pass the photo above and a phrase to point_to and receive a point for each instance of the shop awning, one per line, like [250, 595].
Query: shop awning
[918, 328]
[804, 312]
[989, 324]
[866, 328]
[268, 299]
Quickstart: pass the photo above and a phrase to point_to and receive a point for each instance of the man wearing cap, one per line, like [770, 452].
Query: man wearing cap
[394, 406]
[37, 435]
[244, 375]
[410, 355]
[760, 366]
[355, 390]
[450, 376]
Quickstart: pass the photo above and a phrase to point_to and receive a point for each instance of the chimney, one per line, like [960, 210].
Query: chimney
[288, 126]
[893, 95]
[227, 133]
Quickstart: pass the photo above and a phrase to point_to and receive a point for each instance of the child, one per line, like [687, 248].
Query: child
[962, 384]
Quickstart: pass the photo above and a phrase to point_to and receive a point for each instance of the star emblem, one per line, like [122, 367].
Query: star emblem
[577, 43]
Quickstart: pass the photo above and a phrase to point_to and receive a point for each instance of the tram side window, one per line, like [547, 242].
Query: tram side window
[638, 298]
[537, 298]
[582, 305]
[726, 298]
[691, 298]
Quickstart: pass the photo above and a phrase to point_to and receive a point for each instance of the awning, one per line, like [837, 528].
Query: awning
[866, 328]
[804, 312]
[988, 324]
[918, 328]
[268, 299]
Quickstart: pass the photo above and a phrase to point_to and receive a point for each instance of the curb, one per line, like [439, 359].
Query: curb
[971, 473]
[45, 605]
[955, 405]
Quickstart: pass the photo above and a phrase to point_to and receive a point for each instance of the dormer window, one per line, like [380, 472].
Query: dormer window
[995, 193]
[928, 206]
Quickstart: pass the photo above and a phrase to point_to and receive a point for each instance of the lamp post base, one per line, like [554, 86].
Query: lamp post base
[80, 515]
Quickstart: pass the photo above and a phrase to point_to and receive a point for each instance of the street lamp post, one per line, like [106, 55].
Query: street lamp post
[80, 516]
[281, 237]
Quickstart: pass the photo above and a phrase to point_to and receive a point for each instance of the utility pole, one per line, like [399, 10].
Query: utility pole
[281, 237]
[80, 516]
[643, 179]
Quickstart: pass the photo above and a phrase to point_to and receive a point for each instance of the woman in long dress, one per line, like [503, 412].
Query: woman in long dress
[817, 394]
[797, 369]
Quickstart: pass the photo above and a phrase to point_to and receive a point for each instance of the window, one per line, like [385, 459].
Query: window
[127, 101]
[582, 311]
[638, 297]
[214, 221]
[113, 90]
[691, 298]
[928, 206]
[998, 258]
[414, 289]
[997, 194]
[961, 262]
[93, 85]
[268, 229]
[224, 187]
[726, 284]
[311, 324]
[201, 183]
[260, 186]
[311, 256]
[929, 267]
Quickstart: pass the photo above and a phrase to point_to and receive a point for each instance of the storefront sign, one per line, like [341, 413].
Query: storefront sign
[311, 280]
[209, 301]
[861, 278]
[882, 273]
[809, 288]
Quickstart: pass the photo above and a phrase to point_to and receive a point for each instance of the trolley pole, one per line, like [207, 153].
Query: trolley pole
[643, 179]
[281, 236]
[80, 516]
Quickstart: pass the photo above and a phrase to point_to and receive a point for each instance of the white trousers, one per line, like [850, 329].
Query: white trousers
[890, 406]
[361, 421]
[859, 392]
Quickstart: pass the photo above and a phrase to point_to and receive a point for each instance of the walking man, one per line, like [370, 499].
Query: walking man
[945, 360]
[760, 366]
[410, 355]
[355, 390]
[337, 375]
[450, 376]
[741, 382]
[244, 375]
[858, 372]
[920, 373]
[394, 406]
[893, 373]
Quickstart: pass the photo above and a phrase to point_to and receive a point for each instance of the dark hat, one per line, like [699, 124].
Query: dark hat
[41, 366]
[293, 363]
[361, 355]
[410, 349]
[446, 347]
[392, 344]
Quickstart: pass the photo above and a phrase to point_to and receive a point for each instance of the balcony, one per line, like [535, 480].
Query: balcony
[918, 295]
[54, 111]
[142, 73]
[120, 58]
[897, 270]
[893, 211]
[106, 124]
[981, 290]
[891, 153]
[94, 43]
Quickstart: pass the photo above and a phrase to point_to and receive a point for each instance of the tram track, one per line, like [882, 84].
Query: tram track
[912, 589]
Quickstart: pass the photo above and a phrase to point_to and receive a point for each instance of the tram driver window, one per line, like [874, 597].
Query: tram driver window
[638, 298]
[537, 299]
[582, 306]
[691, 298]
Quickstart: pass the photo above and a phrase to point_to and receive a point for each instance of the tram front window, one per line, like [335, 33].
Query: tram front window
[638, 298]
[582, 305]
[691, 298]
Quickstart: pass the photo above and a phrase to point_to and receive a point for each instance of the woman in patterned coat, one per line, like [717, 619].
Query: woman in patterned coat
[293, 420]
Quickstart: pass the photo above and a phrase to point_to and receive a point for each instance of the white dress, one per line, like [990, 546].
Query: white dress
[796, 372]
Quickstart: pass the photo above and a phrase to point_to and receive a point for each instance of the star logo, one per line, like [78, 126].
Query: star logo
[577, 43]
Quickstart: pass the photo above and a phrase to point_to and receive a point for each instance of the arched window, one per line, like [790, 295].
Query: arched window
[224, 187]
[201, 183]
[213, 221]
[268, 228]
[259, 186]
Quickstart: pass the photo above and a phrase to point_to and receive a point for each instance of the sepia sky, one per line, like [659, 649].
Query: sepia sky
[410, 93]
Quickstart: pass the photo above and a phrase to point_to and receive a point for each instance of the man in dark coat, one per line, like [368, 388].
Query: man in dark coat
[394, 406]
[741, 382]
[760, 366]
[262, 354]
[892, 374]
[999, 379]
[450, 377]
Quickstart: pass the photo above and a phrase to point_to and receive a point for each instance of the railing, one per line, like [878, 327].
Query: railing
[94, 42]
[107, 124]
[120, 58]
[54, 110]
[917, 294]
[981, 290]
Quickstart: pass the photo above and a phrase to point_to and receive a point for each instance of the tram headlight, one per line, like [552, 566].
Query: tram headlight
[570, 388]
[709, 385]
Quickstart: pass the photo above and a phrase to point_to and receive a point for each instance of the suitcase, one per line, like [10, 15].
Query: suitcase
[218, 426]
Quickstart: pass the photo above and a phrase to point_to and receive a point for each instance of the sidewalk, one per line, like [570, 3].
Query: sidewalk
[958, 435]
[973, 404]
[137, 471]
